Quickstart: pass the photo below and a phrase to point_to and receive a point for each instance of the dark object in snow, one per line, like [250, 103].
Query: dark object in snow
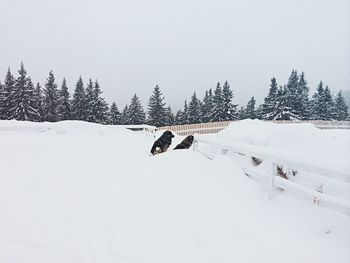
[186, 143]
[162, 144]
[256, 161]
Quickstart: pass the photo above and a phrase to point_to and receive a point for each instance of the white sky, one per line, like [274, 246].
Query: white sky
[183, 45]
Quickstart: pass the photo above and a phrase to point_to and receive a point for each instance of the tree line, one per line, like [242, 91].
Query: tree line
[20, 99]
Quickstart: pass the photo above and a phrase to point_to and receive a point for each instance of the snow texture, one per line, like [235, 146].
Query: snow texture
[81, 192]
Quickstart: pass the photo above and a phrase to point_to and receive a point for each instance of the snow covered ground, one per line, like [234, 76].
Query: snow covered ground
[79, 192]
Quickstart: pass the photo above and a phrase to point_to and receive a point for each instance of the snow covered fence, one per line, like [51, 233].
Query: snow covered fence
[290, 162]
[215, 127]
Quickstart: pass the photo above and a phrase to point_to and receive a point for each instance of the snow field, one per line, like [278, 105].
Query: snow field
[79, 192]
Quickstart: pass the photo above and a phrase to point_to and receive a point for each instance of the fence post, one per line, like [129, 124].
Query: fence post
[271, 183]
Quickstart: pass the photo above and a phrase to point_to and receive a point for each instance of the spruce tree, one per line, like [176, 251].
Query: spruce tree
[7, 88]
[216, 114]
[21, 98]
[282, 110]
[79, 106]
[194, 110]
[114, 115]
[270, 102]
[290, 96]
[302, 103]
[241, 113]
[100, 106]
[64, 105]
[89, 102]
[207, 106]
[250, 112]
[322, 104]
[170, 118]
[179, 118]
[39, 101]
[136, 112]
[229, 109]
[51, 99]
[341, 108]
[125, 119]
[157, 113]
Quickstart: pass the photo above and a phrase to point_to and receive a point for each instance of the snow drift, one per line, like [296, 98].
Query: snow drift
[79, 192]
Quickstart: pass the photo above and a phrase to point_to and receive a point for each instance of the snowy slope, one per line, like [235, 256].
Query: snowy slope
[79, 192]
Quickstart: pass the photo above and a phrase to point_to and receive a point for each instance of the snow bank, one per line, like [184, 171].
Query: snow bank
[81, 192]
[301, 138]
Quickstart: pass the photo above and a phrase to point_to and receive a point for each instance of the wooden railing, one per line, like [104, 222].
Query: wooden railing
[339, 173]
[215, 127]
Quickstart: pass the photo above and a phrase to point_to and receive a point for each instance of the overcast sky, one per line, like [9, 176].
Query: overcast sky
[183, 45]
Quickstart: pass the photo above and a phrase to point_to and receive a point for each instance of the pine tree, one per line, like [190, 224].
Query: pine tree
[51, 99]
[22, 98]
[136, 112]
[250, 112]
[100, 106]
[7, 88]
[89, 102]
[322, 104]
[241, 113]
[291, 94]
[79, 106]
[125, 116]
[39, 101]
[64, 105]
[229, 109]
[207, 106]
[216, 114]
[282, 110]
[302, 103]
[157, 113]
[270, 102]
[341, 108]
[114, 115]
[179, 118]
[194, 110]
[169, 116]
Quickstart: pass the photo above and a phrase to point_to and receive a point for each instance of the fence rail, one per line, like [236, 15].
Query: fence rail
[215, 127]
[284, 159]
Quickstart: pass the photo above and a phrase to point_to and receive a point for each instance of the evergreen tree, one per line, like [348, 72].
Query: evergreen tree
[302, 103]
[39, 101]
[322, 104]
[341, 108]
[89, 102]
[282, 110]
[179, 118]
[216, 114]
[6, 103]
[125, 116]
[229, 109]
[114, 115]
[169, 116]
[21, 98]
[100, 106]
[136, 112]
[241, 113]
[157, 113]
[194, 110]
[250, 112]
[270, 102]
[290, 95]
[79, 106]
[207, 106]
[64, 105]
[51, 99]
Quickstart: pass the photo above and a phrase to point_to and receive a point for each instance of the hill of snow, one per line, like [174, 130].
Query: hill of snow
[80, 192]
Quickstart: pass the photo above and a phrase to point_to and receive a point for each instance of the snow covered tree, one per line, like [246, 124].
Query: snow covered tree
[100, 107]
[302, 104]
[114, 115]
[207, 106]
[125, 116]
[38, 99]
[5, 99]
[157, 113]
[341, 108]
[194, 110]
[79, 102]
[322, 104]
[22, 98]
[89, 101]
[51, 99]
[241, 113]
[282, 109]
[170, 118]
[64, 104]
[270, 101]
[250, 112]
[229, 109]
[136, 112]
[216, 114]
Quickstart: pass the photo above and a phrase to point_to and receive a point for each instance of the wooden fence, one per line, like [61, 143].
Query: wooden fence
[215, 127]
